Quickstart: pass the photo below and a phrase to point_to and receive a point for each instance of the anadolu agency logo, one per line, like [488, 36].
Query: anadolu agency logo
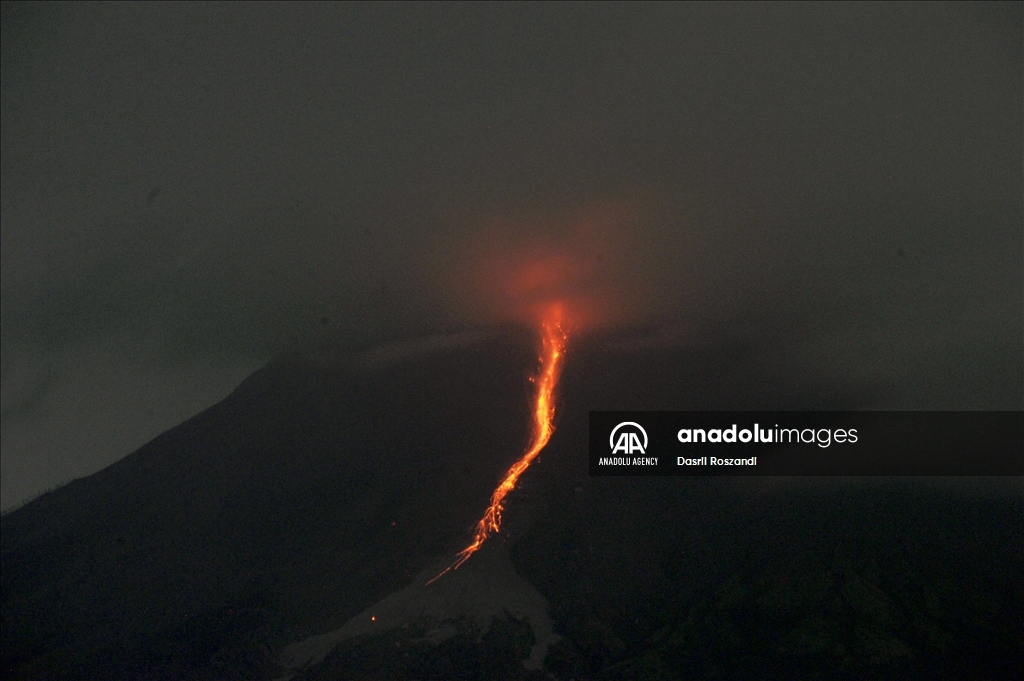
[628, 441]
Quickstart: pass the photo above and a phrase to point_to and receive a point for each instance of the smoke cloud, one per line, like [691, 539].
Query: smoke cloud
[190, 190]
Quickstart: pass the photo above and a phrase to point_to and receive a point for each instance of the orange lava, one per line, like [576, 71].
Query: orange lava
[553, 337]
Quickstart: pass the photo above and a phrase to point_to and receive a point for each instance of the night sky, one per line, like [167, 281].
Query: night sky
[189, 190]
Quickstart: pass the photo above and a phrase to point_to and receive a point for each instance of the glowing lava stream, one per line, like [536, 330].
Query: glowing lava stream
[554, 339]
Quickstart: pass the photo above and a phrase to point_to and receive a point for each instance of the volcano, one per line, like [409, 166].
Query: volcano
[290, 532]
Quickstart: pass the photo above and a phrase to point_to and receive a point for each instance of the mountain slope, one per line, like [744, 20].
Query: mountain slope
[327, 486]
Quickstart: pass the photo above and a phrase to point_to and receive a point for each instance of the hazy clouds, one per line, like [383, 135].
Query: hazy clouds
[188, 189]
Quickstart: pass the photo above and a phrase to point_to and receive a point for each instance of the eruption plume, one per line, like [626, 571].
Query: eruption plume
[553, 341]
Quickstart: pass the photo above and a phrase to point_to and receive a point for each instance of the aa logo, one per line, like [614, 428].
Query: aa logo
[628, 440]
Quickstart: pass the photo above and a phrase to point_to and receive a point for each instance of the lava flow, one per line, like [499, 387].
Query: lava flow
[553, 337]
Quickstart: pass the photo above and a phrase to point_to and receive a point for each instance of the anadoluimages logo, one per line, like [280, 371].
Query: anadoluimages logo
[628, 441]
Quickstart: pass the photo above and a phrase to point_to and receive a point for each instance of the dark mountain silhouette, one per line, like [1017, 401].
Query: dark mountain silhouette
[328, 485]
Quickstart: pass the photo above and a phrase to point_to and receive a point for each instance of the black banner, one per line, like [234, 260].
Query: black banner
[807, 443]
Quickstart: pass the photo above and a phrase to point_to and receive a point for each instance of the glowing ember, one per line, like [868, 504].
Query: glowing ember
[553, 337]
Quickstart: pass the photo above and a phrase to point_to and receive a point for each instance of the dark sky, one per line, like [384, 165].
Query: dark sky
[188, 190]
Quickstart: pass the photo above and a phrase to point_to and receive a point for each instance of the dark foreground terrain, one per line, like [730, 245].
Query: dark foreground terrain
[323, 484]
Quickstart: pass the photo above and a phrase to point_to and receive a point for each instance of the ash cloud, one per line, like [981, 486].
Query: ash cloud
[195, 189]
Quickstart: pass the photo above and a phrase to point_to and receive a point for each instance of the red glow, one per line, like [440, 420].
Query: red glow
[511, 270]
